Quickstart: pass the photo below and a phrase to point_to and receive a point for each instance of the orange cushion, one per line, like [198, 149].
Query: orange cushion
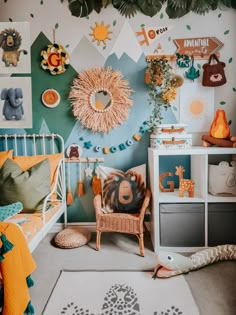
[26, 162]
[5, 155]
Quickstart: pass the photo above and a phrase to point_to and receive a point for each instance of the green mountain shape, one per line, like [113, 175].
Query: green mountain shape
[59, 119]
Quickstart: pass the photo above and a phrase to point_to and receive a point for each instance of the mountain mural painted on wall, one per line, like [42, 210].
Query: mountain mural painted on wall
[85, 56]
[59, 119]
[127, 42]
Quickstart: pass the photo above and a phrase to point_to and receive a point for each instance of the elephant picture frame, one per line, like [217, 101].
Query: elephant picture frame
[15, 50]
[15, 102]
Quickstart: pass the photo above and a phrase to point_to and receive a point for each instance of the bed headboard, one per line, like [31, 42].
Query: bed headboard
[32, 144]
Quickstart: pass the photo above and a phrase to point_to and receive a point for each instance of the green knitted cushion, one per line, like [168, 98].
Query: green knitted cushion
[6, 212]
[29, 187]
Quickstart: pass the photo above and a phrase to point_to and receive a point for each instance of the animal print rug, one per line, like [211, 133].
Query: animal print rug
[119, 293]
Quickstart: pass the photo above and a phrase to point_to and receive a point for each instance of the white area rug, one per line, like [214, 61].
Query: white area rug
[119, 293]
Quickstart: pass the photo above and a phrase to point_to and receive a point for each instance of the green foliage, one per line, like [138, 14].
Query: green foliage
[128, 8]
[150, 7]
[81, 8]
[161, 68]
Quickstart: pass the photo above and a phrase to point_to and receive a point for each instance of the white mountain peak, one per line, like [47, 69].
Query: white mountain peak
[127, 42]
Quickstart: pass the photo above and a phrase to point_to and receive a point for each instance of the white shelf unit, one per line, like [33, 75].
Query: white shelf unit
[199, 159]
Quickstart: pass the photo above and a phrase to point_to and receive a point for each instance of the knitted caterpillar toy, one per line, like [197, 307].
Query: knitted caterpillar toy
[172, 264]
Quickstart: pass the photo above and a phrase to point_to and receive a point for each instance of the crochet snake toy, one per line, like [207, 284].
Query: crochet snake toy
[172, 264]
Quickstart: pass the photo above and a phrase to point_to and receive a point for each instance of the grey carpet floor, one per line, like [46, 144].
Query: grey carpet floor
[213, 287]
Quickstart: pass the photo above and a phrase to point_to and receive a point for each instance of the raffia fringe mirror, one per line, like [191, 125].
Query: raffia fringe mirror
[100, 98]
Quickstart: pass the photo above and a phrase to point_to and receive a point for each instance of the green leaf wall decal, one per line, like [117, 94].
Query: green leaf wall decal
[229, 122]
[234, 89]
[219, 15]
[161, 16]
[174, 108]
[188, 27]
[226, 32]
[114, 23]
[230, 60]
[56, 25]
[31, 14]
[222, 103]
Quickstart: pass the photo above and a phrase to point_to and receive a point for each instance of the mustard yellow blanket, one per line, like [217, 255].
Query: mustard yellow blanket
[16, 266]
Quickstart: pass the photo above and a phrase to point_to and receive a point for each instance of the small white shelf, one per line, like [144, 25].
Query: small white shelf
[173, 197]
[199, 158]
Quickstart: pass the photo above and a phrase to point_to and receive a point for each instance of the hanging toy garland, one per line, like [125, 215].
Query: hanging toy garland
[120, 147]
[55, 59]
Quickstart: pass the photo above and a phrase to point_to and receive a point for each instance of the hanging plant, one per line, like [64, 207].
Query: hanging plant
[127, 8]
[162, 85]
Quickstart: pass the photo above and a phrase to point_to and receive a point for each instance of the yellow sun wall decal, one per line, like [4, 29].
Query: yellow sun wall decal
[100, 33]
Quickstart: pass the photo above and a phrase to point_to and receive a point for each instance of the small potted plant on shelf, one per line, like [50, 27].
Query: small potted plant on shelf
[162, 84]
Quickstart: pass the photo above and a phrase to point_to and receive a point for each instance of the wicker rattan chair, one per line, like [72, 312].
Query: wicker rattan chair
[121, 222]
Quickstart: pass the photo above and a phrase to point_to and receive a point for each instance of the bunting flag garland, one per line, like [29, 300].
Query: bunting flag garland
[116, 148]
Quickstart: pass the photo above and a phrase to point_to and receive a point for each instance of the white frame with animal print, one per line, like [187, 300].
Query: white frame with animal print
[23, 65]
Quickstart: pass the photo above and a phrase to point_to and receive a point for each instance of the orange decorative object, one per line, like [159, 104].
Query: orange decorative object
[184, 184]
[147, 78]
[51, 98]
[219, 127]
[170, 183]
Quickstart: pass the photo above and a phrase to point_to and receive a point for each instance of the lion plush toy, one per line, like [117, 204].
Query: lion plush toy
[10, 42]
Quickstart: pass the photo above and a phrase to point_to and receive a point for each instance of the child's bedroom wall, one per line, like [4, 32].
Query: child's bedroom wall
[122, 51]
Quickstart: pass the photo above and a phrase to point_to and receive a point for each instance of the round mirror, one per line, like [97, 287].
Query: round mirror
[101, 100]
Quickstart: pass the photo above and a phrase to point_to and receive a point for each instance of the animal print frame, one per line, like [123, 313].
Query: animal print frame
[15, 47]
[15, 102]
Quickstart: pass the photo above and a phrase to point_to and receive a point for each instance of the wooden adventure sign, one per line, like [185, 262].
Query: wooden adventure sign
[199, 47]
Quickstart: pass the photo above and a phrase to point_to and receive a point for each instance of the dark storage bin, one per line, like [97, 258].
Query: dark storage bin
[221, 223]
[182, 225]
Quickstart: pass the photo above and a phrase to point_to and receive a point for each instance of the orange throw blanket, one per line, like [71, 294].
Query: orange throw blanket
[16, 266]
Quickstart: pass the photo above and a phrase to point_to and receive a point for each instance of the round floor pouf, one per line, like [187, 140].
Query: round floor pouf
[72, 237]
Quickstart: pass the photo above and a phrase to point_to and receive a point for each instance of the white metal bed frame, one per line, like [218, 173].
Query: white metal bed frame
[37, 144]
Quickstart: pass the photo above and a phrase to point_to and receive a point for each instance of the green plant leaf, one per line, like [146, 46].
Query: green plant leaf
[31, 14]
[219, 15]
[199, 66]
[230, 60]
[226, 32]
[161, 15]
[56, 25]
[10, 19]
[222, 103]
[114, 23]
[149, 8]
[142, 25]
[229, 122]
[81, 8]
[188, 27]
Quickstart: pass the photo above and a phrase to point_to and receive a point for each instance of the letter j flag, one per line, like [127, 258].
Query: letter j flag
[151, 34]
